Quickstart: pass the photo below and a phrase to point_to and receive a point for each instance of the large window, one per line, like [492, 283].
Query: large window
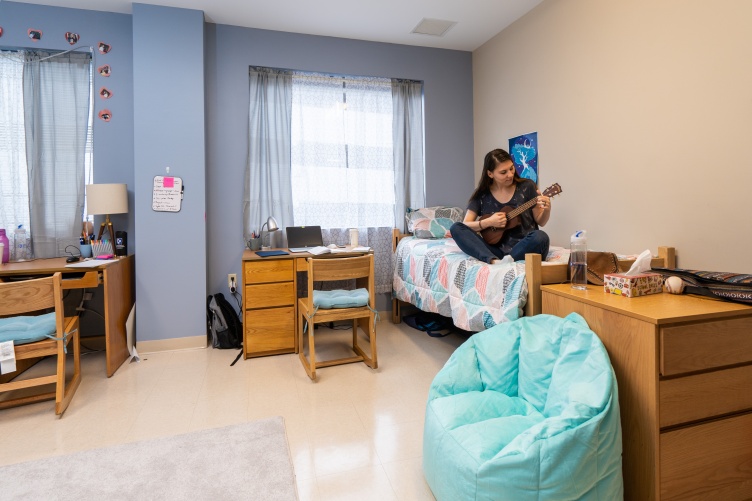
[46, 124]
[335, 151]
[342, 151]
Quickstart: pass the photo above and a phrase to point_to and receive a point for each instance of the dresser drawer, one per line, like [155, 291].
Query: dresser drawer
[708, 461]
[269, 295]
[269, 330]
[706, 345]
[702, 396]
[260, 272]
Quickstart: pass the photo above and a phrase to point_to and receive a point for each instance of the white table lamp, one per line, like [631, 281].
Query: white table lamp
[107, 199]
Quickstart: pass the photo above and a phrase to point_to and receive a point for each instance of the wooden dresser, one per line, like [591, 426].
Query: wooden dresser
[684, 370]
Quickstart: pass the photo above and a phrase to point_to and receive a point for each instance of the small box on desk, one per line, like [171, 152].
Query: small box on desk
[634, 285]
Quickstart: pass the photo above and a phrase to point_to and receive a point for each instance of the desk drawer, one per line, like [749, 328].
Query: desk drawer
[708, 461]
[706, 345]
[90, 279]
[702, 396]
[269, 330]
[269, 295]
[259, 272]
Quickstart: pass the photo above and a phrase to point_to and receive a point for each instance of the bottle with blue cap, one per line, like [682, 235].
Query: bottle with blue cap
[20, 244]
[578, 260]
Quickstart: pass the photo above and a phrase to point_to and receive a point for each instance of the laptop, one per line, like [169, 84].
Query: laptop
[303, 238]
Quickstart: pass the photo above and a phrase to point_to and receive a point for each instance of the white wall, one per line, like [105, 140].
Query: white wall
[643, 109]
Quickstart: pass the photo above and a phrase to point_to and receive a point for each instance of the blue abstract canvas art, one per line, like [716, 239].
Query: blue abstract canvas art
[524, 150]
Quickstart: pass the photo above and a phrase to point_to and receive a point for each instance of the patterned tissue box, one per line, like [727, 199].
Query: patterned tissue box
[633, 286]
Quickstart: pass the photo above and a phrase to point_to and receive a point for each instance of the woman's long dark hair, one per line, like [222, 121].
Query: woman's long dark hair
[493, 158]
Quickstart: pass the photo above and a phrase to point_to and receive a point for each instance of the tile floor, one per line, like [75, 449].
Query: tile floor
[354, 434]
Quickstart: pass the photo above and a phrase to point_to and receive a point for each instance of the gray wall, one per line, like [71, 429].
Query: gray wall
[168, 74]
[447, 77]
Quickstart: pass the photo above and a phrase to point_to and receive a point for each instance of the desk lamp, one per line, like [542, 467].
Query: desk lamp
[107, 199]
[271, 225]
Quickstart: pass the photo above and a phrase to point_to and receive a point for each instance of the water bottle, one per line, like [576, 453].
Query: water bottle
[578, 260]
[5, 254]
[20, 246]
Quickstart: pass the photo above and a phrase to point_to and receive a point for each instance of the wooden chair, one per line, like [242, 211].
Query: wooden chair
[37, 297]
[328, 269]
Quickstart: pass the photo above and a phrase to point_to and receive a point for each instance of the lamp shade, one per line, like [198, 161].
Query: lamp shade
[107, 198]
[271, 224]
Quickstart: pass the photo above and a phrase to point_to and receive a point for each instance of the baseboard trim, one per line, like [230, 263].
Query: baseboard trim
[173, 344]
[195, 342]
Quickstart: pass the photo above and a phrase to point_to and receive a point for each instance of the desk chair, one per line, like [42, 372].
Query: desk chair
[35, 297]
[359, 306]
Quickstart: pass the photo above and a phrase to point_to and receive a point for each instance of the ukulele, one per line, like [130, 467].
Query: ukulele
[492, 235]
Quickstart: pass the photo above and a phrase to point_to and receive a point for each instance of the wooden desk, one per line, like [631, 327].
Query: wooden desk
[684, 369]
[119, 295]
[272, 286]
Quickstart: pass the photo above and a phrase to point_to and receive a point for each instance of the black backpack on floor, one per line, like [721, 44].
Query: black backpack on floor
[223, 323]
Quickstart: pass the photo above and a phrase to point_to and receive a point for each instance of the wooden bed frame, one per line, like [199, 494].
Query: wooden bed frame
[537, 274]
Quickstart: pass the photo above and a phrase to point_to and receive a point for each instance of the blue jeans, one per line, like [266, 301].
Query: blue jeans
[473, 244]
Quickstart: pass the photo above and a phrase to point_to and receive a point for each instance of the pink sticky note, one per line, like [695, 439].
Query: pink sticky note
[169, 182]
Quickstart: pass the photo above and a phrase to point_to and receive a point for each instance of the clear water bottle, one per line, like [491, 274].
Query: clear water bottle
[20, 244]
[578, 260]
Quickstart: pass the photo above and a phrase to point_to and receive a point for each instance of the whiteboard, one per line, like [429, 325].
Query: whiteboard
[167, 194]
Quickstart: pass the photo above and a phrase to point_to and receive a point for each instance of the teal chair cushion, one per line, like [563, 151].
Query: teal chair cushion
[525, 410]
[340, 298]
[27, 329]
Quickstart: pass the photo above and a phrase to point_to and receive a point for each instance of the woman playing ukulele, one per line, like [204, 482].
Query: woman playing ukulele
[500, 190]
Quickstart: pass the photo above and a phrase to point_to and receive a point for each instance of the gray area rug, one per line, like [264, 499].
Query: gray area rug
[245, 461]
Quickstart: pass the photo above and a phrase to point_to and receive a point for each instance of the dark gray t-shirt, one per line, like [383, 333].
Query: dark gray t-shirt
[487, 204]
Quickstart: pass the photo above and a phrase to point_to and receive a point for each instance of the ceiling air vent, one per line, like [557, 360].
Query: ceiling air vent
[433, 27]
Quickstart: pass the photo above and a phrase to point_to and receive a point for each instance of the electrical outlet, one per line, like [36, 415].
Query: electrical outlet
[232, 281]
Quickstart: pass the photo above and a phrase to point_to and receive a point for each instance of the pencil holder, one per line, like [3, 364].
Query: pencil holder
[254, 243]
[85, 250]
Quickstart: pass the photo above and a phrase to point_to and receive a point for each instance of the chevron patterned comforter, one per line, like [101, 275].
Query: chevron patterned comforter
[436, 276]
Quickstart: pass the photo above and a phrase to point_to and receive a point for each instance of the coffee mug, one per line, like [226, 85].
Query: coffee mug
[254, 244]
[85, 250]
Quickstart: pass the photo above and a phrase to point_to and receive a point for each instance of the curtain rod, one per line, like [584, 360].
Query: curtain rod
[326, 75]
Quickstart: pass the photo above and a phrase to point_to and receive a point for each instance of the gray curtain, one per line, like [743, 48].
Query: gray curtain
[268, 187]
[56, 112]
[409, 166]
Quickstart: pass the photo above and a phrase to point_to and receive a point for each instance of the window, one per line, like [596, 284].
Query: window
[341, 151]
[337, 152]
[14, 185]
[62, 147]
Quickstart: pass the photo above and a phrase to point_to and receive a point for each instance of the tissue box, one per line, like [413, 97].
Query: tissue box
[633, 286]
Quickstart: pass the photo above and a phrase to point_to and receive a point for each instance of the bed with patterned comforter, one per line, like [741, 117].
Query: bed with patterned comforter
[436, 276]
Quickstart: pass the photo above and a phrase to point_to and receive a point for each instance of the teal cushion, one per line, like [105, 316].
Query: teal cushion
[340, 298]
[27, 329]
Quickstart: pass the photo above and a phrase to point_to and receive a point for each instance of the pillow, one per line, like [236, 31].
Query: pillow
[433, 222]
[27, 329]
[340, 298]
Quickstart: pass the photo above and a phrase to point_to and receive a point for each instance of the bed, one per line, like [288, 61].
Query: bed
[434, 275]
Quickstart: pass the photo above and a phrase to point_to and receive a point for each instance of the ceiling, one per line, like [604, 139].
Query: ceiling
[389, 21]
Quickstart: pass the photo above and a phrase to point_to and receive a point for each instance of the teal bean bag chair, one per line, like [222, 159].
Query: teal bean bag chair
[525, 410]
